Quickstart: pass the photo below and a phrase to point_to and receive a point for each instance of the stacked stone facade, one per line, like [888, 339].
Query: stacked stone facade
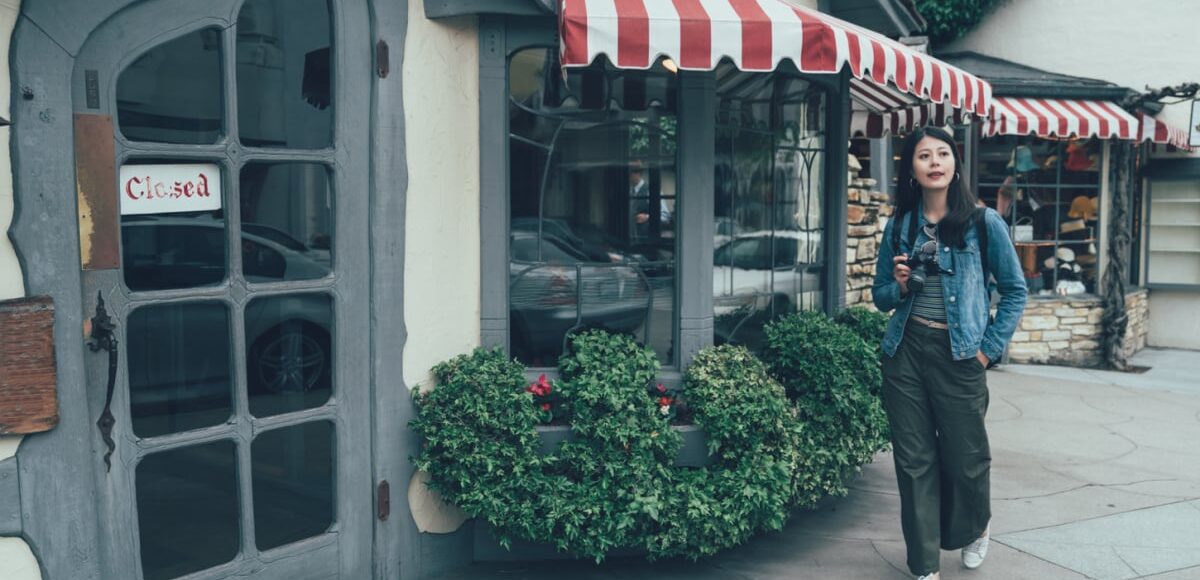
[867, 214]
[1065, 330]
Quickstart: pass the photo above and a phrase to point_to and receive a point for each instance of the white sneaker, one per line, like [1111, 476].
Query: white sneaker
[975, 552]
[934, 576]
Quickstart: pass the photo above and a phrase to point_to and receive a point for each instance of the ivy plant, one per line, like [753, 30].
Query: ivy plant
[615, 486]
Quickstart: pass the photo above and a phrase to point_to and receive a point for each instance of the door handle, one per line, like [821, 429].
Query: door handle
[103, 337]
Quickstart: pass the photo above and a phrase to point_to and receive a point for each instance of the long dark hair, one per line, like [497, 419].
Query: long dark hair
[960, 201]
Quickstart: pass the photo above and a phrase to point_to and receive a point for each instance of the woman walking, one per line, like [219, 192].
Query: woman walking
[937, 255]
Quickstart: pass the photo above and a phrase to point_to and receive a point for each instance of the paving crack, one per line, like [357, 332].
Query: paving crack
[1124, 561]
[902, 572]
[1084, 486]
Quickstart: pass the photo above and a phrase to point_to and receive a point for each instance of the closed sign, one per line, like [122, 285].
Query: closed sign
[157, 189]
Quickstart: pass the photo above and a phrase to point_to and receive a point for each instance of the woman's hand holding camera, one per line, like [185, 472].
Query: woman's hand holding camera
[901, 272]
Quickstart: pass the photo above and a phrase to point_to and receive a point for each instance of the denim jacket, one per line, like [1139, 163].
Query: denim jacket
[965, 291]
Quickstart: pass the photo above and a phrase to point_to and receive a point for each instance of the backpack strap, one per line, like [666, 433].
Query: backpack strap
[912, 232]
[982, 231]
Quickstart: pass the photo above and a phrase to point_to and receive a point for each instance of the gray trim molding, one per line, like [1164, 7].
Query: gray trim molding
[836, 195]
[10, 498]
[1172, 169]
[697, 133]
[446, 8]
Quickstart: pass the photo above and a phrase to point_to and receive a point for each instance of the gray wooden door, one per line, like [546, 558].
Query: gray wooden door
[239, 295]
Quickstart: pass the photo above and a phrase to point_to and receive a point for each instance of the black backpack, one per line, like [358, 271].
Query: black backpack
[980, 229]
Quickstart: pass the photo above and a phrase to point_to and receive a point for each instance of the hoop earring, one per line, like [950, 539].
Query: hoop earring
[912, 183]
[957, 176]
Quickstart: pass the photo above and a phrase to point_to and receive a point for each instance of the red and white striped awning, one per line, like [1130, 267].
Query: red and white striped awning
[1059, 118]
[864, 123]
[1156, 131]
[756, 35]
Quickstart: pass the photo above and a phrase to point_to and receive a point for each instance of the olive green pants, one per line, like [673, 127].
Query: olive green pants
[935, 406]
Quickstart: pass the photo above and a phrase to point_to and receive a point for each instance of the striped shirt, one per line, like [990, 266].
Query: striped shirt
[928, 302]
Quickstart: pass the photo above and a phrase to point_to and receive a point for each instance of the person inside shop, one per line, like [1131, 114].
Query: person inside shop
[937, 347]
[639, 193]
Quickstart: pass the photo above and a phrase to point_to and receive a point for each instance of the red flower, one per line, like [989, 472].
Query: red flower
[664, 401]
[545, 406]
[541, 388]
[661, 388]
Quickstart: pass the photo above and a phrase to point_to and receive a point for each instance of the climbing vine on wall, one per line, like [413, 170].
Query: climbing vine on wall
[951, 19]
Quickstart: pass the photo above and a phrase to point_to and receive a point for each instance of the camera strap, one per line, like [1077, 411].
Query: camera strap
[980, 230]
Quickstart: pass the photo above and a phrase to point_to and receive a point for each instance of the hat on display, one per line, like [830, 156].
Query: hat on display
[1022, 160]
[1084, 207]
[1065, 254]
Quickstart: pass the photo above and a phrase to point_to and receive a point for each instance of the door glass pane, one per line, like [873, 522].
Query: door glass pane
[178, 360]
[287, 221]
[768, 258]
[187, 503]
[172, 93]
[289, 363]
[293, 483]
[284, 80]
[172, 224]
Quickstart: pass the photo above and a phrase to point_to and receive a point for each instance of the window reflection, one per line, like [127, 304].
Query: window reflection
[165, 251]
[768, 256]
[187, 506]
[292, 478]
[179, 367]
[287, 221]
[593, 202]
[172, 93]
[284, 80]
[289, 359]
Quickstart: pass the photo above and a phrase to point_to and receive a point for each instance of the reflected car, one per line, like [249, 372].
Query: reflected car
[546, 299]
[287, 337]
[762, 274]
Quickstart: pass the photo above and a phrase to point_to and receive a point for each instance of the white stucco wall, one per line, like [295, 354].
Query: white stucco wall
[441, 267]
[1133, 43]
[16, 560]
[441, 273]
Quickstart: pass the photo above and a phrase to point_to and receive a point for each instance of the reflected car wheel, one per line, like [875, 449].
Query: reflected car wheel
[291, 357]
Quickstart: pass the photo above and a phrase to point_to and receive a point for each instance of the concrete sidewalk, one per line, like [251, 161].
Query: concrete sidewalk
[1095, 475]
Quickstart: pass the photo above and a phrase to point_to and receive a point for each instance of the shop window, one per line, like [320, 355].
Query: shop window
[768, 257]
[593, 204]
[1048, 192]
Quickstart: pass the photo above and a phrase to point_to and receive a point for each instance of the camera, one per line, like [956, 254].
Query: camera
[922, 265]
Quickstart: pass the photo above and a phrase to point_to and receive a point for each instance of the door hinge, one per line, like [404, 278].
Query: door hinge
[381, 59]
[384, 500]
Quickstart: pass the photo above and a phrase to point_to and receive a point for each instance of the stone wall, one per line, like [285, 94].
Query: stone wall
[867, 214]
[1065, 330]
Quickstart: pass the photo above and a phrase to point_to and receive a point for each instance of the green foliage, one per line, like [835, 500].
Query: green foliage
[615, 485]
[480, 442]
[869, 325]
[832, 376]
[617, 472]
[951, 19]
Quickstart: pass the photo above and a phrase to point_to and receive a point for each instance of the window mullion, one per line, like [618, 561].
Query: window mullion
[695, 227]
